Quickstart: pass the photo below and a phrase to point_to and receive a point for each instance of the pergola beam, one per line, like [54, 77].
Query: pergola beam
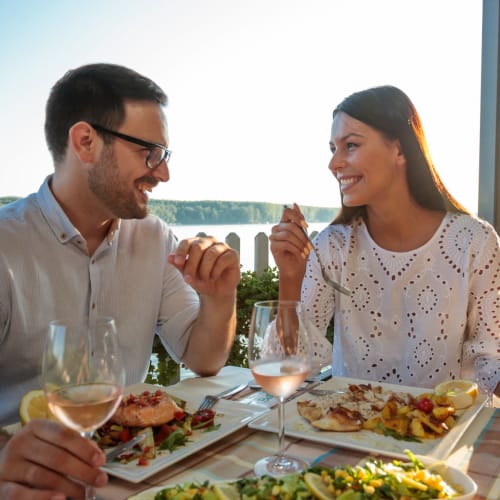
[489, 160]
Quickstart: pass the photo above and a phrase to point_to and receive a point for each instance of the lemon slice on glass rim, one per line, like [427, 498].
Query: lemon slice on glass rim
[462, 393]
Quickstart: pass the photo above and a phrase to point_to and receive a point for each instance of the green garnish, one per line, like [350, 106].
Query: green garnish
[211, 428]
[175, 440]
[386, 431]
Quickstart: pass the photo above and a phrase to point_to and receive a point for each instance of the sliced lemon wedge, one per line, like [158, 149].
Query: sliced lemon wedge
[462, 393]
[317, 486]
[226, 491]
[34, 405]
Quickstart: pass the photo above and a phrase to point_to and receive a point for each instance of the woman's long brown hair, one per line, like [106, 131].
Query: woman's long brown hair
[390, 111]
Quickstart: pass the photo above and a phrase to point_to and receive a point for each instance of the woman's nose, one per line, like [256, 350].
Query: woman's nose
[335, 162]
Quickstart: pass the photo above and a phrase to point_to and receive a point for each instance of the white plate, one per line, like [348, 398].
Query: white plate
[365, 440]
[451, 475]
[231, 416]
[150, 493]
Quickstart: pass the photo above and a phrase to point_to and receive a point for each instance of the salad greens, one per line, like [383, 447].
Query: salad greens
[374, 480]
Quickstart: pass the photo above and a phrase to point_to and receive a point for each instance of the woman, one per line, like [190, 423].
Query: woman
[424, 274]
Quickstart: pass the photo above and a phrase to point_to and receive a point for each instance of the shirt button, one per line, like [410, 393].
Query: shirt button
[93, 305]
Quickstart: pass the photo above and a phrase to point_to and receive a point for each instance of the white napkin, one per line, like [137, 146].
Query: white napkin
[197, 387]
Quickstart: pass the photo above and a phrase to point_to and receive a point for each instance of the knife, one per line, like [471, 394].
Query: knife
[232, 391]
[118, 450]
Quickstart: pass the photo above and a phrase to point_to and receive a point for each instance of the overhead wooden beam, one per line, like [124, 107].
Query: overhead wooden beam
[489, 150]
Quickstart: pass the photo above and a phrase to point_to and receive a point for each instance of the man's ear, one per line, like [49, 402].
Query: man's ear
[84, 141]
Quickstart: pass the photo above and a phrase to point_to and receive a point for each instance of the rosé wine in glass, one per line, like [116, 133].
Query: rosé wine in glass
[279, 356]
[280, 378]
[83, 375]
[84, 407]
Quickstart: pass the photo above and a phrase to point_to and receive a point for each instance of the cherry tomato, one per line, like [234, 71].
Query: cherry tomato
[425, 405]
[202, 418]
[125, 435]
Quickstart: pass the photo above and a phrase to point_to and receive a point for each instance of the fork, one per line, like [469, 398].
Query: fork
[210, 399]
[332, 283]
[325, 392]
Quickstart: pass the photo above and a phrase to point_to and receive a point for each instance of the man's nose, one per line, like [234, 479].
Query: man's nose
[161, 172]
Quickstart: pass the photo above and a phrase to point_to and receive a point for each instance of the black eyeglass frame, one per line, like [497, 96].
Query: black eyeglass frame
[166, 153]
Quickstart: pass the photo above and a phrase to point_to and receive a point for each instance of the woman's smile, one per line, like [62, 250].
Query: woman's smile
[346, 182]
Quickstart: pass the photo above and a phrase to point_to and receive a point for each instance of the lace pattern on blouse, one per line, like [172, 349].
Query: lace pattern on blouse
[414, 318]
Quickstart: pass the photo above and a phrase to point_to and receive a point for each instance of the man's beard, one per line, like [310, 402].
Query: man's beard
[106, 184]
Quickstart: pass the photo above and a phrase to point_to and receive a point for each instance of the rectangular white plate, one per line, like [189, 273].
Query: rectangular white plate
[365, 440]
[231, 416]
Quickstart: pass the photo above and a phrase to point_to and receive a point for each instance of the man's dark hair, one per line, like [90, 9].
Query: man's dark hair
[94, 93]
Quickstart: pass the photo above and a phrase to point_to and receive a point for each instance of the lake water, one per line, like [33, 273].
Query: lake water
[246, 232]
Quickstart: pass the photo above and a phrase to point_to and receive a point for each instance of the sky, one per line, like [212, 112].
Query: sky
[251, 84]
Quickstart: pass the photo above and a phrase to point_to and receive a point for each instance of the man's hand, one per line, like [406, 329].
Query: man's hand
[38, 462]
[211, 267]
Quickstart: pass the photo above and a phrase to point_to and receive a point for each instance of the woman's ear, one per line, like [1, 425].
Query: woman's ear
[84, 141]
[400, 156]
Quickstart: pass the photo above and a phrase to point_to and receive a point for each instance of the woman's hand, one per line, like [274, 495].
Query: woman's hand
[38, 462]
[290, 247]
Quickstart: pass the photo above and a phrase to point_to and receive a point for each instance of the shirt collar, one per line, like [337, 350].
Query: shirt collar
[59, 222]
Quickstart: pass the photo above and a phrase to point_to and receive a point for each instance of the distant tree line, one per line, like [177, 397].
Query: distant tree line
[223, 212]
[7, 199]
[230, 212]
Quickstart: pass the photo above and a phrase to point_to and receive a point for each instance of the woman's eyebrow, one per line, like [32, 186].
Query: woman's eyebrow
[346, 137]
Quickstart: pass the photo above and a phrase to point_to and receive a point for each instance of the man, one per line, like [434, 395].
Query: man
[84, 246]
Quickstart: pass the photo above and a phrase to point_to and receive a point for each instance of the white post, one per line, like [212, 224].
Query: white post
[233, 240]
[261, 259]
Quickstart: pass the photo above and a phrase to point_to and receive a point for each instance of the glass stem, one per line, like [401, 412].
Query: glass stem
[281, 426]
[89, 489]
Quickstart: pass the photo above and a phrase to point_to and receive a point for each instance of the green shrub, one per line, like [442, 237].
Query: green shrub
[163, 370]
[251, 289]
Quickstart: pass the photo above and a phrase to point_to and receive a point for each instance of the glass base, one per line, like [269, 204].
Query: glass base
[279, 465]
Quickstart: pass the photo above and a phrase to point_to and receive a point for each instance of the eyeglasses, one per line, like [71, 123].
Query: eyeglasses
[157, 152]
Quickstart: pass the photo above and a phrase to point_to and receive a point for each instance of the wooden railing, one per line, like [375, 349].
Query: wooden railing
[261, 248]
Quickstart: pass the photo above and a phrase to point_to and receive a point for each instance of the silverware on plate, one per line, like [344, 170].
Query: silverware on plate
[325, 392]
[209, 400]
[121, 448]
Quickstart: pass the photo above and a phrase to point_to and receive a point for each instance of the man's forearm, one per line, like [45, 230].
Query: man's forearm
[212, 336]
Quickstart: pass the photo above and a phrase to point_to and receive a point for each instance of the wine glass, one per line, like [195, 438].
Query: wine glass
[279, 356]
[487, 367]
[83, 375]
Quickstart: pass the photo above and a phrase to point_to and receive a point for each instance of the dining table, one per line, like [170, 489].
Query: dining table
[477, 452]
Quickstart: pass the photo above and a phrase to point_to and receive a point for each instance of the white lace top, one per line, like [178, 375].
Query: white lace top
[414, 318]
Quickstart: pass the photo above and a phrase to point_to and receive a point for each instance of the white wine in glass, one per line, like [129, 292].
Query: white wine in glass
[83, 375]
[279, 356]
